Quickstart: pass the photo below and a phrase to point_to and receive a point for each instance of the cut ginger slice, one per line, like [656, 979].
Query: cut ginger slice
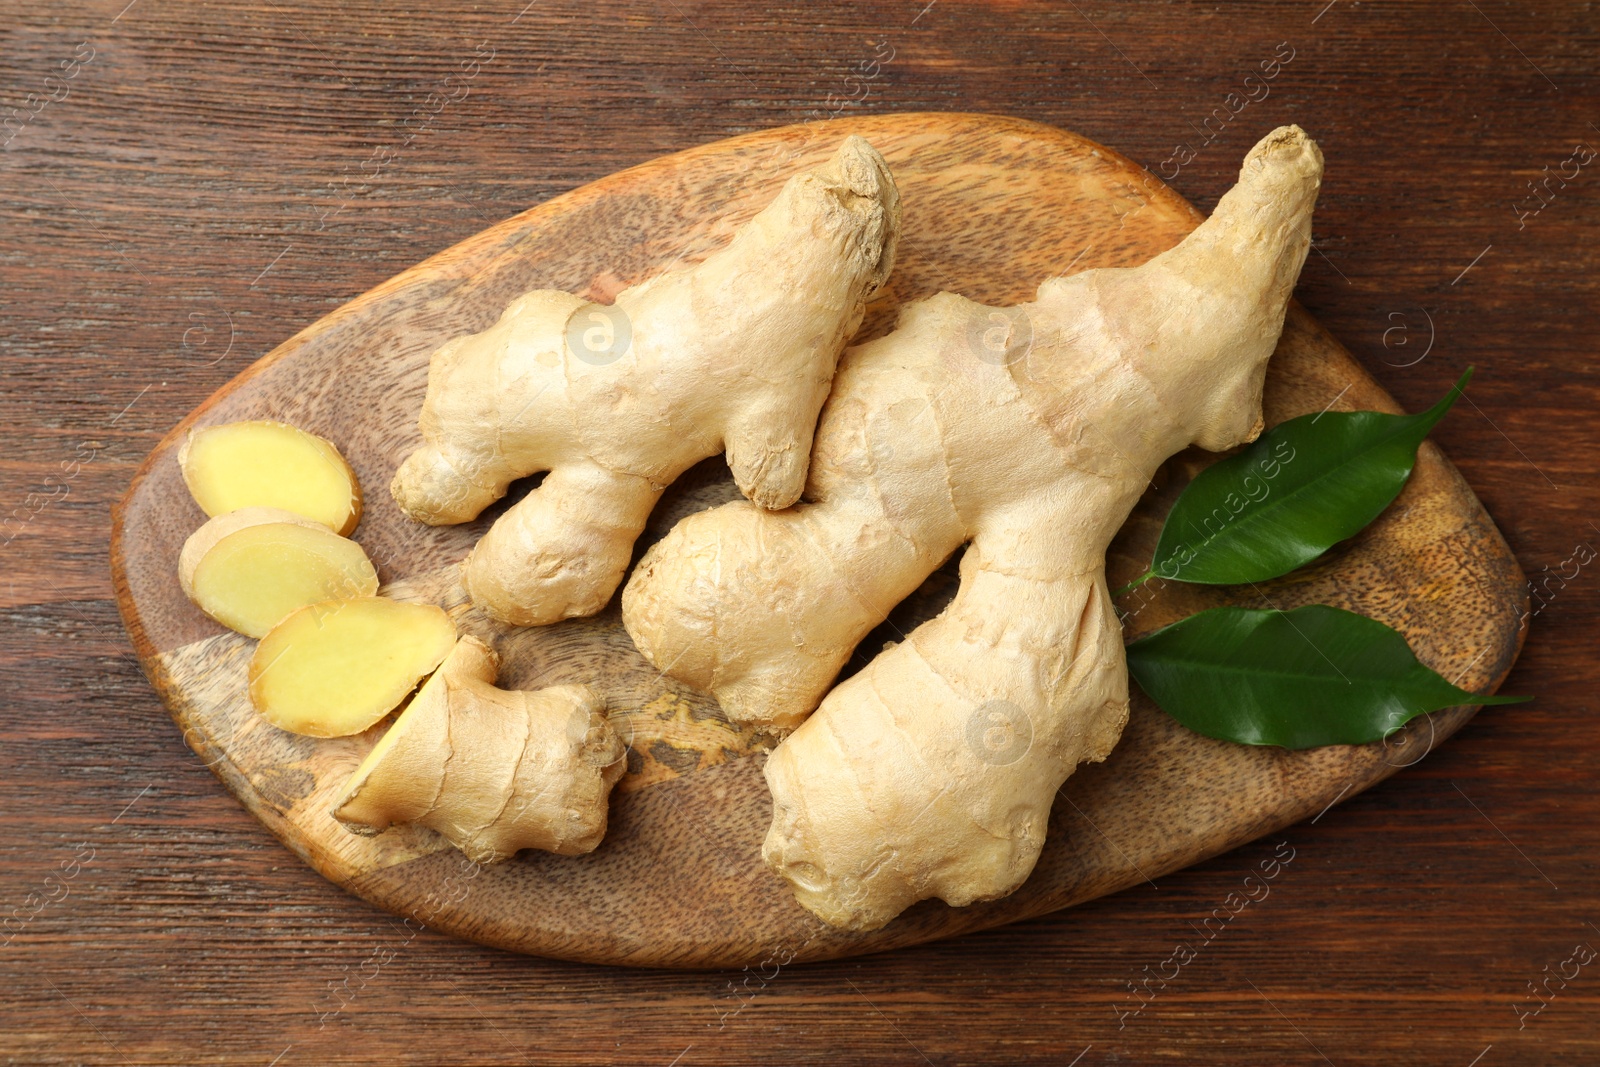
[337, 667]
[270, 464]
[250, 568]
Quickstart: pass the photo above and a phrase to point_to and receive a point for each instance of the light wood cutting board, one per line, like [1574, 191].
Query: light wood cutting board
[992, 206]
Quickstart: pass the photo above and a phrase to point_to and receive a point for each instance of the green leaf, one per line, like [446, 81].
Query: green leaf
[1313, 676]
[1300, 489]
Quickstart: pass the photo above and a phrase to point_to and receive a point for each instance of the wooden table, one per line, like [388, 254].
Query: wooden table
[188, 185]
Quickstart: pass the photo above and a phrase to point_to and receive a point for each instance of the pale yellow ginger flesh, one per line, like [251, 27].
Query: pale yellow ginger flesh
[493, 771]
[269, 464]
[1026, 434]
[732, 355]
[337, 667]
[250, 568]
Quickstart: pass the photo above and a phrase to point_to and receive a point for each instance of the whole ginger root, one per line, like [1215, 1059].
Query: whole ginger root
[732, 355]
[1028, 434]
[492, 770]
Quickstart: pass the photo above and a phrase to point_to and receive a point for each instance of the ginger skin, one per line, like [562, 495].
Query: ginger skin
[1027, 434]
[732, 355]
[491, 770]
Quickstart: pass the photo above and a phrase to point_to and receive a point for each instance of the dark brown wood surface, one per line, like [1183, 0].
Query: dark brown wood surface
[213, 179]
[991, 206]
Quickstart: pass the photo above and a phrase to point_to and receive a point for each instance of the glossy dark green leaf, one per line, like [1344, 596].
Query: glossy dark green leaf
[1300, 489]
[1313, 676]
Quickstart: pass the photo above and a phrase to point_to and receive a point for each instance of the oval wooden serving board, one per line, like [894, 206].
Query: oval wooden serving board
[992, 207]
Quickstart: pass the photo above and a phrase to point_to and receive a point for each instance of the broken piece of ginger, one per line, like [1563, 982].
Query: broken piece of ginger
[492, 770]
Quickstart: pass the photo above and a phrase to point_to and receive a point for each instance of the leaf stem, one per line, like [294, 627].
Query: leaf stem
[1136, 583]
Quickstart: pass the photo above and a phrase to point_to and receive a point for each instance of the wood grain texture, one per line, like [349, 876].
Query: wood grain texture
[212, 177]
[991, 207]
